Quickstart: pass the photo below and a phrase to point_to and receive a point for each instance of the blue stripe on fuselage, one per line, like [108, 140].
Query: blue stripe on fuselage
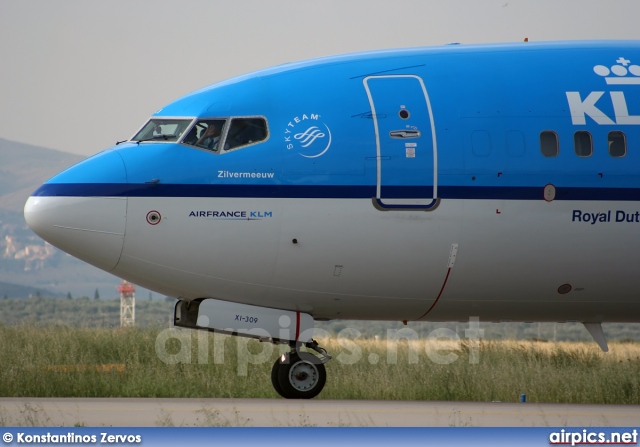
[328, 191]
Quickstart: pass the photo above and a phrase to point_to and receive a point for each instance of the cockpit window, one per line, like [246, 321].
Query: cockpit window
[221, 135]
[206, 134]
[162, 129]
[245, 131]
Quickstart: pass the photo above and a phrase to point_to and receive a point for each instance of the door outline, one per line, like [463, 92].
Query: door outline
[403, 204]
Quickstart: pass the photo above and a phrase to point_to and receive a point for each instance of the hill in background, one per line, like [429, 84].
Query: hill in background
[18, 291]
[24, 168]
[25, 259]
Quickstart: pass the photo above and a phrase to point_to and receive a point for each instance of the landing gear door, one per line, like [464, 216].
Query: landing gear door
[406, 151]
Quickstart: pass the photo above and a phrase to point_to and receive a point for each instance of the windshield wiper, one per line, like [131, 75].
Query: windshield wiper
[164, 136]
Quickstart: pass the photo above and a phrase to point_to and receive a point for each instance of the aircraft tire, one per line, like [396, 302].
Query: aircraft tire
[274, 378]
[301, 376]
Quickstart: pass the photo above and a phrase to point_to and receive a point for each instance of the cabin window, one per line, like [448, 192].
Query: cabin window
[515, 143]
[617, 144]
[481, 143]
[206, 134]
[245, 131]
[549, 143]
[583, 143]
[162, 129]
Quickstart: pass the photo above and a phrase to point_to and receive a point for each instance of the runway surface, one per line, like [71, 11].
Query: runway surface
[131, 412]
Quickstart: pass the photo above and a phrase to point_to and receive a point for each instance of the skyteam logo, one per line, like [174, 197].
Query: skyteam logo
[309, 135]
[621, 74]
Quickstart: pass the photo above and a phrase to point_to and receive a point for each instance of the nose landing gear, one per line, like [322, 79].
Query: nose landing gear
[300, 375]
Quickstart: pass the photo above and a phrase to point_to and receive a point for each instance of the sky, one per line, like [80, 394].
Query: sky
[79, 75]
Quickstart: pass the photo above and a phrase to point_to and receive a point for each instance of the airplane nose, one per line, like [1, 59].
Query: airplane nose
[66, 212]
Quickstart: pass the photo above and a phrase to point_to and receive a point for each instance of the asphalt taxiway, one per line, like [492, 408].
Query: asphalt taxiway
[133, 412]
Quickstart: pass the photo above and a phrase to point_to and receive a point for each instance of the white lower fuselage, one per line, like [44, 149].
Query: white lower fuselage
[514, 258]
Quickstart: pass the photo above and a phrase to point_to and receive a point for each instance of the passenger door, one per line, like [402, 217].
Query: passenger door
[406, 150]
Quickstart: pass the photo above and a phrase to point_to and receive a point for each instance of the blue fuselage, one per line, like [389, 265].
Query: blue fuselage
[522, 155]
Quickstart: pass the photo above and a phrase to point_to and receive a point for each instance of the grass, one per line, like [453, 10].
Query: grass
[66, 362]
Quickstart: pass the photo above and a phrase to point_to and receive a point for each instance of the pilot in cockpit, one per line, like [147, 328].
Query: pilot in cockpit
[210, 138]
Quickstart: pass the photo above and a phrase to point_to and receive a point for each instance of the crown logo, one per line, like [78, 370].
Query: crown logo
[624, 73]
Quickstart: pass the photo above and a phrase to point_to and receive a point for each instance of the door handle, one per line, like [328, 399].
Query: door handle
[402, 134]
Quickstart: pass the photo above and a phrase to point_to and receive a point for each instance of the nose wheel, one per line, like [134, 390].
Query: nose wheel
[299, 375]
